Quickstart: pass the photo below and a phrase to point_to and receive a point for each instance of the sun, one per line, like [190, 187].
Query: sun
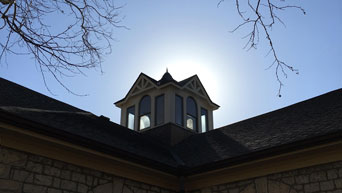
[183, 68]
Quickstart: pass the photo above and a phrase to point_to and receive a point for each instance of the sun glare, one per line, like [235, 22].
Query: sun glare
[183, 68]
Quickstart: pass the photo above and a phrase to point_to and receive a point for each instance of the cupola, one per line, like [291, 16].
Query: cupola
[151, 103]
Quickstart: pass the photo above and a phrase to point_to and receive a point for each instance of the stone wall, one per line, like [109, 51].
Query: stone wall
[325, 178]
[22, 172]
[27, 173]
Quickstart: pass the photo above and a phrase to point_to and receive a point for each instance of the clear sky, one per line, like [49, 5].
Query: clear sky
[193, 37]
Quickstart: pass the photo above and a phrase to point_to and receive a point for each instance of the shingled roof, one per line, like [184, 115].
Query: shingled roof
[306, 123]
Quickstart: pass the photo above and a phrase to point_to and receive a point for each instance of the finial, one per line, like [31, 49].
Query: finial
[167, 70]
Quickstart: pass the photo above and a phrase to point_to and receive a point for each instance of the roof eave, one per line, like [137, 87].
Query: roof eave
[39, 128]
[265, 153]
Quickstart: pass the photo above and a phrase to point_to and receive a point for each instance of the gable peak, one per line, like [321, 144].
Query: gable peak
[166, 78]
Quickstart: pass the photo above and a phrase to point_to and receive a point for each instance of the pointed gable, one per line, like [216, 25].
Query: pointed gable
[194, 85]
[143, 83]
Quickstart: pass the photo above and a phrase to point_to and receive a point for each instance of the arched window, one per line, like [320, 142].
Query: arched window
[191, 113]
[145, 112]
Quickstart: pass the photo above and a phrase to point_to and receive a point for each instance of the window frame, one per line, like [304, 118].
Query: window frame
[181, 110]
[156, 112]
[127, 116]
[206, 119]
[149, 113]
[193, 117]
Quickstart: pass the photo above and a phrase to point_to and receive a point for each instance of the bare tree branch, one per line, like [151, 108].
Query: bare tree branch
[263, 14]
[63, 36]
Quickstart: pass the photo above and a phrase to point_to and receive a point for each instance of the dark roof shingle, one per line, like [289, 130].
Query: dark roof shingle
[315, 117]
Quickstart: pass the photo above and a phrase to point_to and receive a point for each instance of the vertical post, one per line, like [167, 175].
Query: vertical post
[171, 106]
[199, 122]
[136, 116]
[210, 120]
[153, 110]
[184, 110]
[123, 116]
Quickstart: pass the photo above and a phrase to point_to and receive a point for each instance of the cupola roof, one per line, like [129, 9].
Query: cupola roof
[166, 78]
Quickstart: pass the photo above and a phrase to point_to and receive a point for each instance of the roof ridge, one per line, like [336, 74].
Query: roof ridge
[43, 110]
[39, 94]
[286, 107]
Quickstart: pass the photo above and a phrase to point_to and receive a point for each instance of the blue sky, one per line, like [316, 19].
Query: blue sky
[193, 37]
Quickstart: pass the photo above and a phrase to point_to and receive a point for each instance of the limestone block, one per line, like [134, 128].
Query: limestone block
[156, 189]
[336, 191]
[338, 183]
[261, 185]
[139, 190]
[235, 190]
[73, 168]
[298, 187]
[52, 171]
[278, 187]
[332, 174]
[95, 181]
[104, 188]
[10, 186]
[103, 181]
[59, 164]
[23, 176]
[107, 177]
[288, 180]
[52, 190]
[132, 183]
[127, 190]
[318, 176]
[302, 179]
[249, 189]
[34, 167]
[12, 157]
[313, 187]
[56, 182]
[82, 188]
[145, 186]
[31, 188]
[43, 180]
[329, 185]
[4, 170]
[66, 174]
[117, 184]
[78, 177]
[95, 173]
[89, 180]
[68, 185]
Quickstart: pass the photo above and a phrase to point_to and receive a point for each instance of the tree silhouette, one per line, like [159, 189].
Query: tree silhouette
[79, 41]
[259, 16]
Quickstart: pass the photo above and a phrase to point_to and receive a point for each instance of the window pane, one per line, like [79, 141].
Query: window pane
[191, 113]
[179, 110]
[204, 120]
[130, 117]
[145, 121]
[191, 107]
[190, 122]
[159, 110]
[130, 124]
[145, 105]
